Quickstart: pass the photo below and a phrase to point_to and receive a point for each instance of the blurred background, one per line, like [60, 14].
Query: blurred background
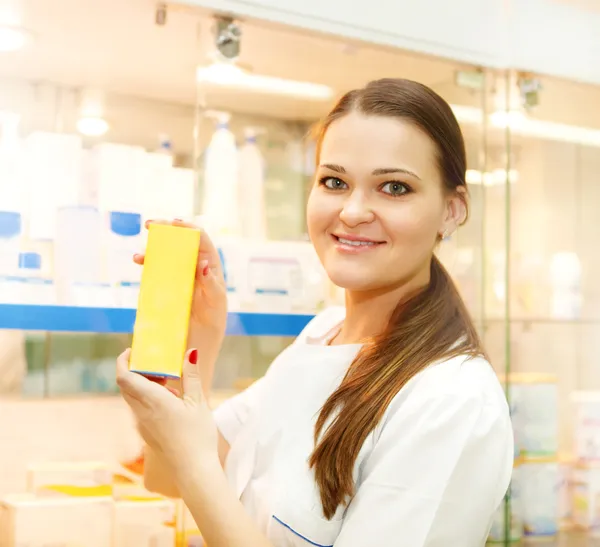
[115, 112]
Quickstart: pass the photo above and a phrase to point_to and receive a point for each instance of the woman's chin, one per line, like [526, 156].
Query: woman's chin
[351, 282]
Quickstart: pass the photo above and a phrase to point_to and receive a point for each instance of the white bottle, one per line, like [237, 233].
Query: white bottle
[78, 258]
[220, 206]
[165, 146]
[10, 238]
[251, 188]
[53, 173]
[124, 239]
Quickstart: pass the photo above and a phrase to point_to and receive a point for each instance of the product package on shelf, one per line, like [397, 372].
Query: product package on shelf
[188, 534]
[272, 276]
[145, 523]
[79, 267]
[284, 277]
[232, 254]
[586, 497]
[53, 178]
[38, 522]
[10, 242]
[586, 426]
[253, 218]
[565, 491]
[220, 207]
[154, 195]
[180, 193]
[33, 284]
[70, 479]
[539, 481]
[534, 405]
[513, 507]
[122, 239]
[119, 176]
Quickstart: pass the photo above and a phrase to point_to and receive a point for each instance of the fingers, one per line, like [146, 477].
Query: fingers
[207, 250]
[211, 281]
[134, 386]
[174, 391]
[192, 384]
[161, 381]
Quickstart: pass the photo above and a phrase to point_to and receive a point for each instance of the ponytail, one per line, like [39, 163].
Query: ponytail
[432, 325]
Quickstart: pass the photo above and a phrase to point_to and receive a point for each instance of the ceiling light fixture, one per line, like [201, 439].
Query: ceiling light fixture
[91, 126]
[520, 123]
[12, 38]
[496, 177]
[227, 74]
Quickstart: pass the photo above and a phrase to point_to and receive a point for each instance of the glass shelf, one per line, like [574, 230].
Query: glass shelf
[119, 320]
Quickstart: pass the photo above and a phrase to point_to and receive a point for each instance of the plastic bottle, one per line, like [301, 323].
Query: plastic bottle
[220, 205]
[165, 146]
[123, 241]
[251, 188]
[78, 258]
[53, 173]
[10, 236]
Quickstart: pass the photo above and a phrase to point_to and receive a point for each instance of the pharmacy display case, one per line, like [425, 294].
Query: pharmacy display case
[184, 108]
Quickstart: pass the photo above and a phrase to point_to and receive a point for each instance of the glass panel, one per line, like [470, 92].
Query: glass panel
[554, 324]
[496, 191]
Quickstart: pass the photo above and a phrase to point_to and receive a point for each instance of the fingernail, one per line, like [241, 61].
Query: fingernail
[193, 358]
[178, 220]
[136, 255]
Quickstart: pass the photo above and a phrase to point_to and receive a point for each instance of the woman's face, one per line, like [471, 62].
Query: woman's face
[378, 203]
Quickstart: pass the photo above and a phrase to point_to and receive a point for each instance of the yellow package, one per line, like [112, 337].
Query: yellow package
[163, 314]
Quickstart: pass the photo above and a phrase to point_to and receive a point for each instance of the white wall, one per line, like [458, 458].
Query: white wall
[554, 37]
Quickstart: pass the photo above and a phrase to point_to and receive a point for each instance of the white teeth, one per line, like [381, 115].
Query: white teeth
[355, 243]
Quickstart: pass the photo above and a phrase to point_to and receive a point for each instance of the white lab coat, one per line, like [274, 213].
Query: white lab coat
[430, 475]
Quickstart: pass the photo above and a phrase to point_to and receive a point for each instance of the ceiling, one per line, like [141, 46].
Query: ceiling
[116, 46]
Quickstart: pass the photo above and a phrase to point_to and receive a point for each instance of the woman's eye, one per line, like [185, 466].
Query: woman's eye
[395, 188]
[333, 183]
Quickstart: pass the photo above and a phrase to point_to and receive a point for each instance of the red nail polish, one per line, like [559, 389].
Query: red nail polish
[193, 356]
[205, 271]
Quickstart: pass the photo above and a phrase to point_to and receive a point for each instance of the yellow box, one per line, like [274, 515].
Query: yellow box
[163, 314]
[75, 479]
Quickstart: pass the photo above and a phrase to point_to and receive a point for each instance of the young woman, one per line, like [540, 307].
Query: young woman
[383, 424]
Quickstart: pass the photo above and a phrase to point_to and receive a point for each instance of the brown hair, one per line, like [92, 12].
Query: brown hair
[429, 326]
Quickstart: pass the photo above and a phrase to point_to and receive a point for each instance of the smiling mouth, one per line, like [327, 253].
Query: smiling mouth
[357, 243]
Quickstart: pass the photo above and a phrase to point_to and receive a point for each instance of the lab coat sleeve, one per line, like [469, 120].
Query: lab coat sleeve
[231, 415]
[434, 478]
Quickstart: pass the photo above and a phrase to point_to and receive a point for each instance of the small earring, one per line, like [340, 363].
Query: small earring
[444, 234]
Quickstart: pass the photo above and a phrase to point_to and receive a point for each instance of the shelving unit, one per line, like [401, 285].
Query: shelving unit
[118, 320]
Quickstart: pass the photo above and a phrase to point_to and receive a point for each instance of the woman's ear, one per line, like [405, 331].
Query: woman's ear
[456, 210]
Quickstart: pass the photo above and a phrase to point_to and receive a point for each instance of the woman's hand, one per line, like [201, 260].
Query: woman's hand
[180, 430]
[209, 304]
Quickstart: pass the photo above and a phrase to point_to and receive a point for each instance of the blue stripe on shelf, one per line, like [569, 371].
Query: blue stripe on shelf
[118, 320]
